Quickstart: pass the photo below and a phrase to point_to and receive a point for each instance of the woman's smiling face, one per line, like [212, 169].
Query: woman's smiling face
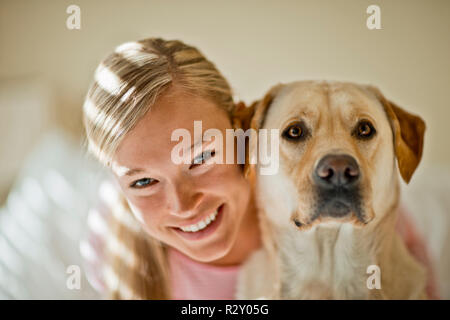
[167, 197]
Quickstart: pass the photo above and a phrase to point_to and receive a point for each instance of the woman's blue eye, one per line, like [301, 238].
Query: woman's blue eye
[203, 157]
[142, 183]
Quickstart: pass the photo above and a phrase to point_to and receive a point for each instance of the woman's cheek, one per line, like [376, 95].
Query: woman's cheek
[235, 177]
[233, 183]
[146, 210]
[227, 175]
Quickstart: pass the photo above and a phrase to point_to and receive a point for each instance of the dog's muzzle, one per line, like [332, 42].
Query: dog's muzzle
[337, 179]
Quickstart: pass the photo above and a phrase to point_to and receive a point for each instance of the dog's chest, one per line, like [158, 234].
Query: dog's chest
[324, 263]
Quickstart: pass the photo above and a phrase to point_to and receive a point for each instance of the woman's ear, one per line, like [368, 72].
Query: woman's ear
[409, 131]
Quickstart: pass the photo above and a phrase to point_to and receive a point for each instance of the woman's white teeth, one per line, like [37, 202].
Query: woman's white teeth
[200, 225]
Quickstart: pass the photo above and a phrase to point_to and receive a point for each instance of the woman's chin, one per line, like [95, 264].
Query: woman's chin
[211, 253]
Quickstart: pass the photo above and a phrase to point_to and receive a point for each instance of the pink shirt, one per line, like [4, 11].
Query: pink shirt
[200, 281]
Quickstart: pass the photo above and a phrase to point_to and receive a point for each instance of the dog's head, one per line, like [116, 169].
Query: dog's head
[338, 146]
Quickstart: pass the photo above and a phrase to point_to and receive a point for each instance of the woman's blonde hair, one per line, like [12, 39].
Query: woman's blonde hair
[127, 83]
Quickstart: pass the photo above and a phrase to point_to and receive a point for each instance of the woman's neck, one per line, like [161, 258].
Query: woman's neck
[248, 238]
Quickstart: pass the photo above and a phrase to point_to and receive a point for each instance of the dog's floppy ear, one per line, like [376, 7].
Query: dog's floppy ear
[242, 115]
[252, 117]
[409, 130]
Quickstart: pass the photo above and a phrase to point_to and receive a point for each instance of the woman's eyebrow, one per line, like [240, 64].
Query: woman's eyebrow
[122, 170]
[125, 171]
[194, 146]
[131, 172]
[202, 143]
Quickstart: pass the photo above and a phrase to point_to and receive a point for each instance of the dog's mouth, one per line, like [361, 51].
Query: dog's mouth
[337, 205]
[337, 208]
[338, 202]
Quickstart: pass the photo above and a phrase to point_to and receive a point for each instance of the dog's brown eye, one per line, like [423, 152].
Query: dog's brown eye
[295, 131]
[364, 129]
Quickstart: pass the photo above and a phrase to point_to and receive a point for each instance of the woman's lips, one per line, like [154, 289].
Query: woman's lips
[210, 228]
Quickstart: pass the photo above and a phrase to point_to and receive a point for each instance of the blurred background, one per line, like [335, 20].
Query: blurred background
[47, 184]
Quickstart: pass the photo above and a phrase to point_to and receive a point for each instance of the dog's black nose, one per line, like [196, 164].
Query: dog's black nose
[337, 170]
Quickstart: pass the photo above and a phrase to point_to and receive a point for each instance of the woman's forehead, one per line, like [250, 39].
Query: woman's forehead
[151, 139]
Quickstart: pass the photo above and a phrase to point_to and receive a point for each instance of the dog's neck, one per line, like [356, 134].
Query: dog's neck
[331, 261]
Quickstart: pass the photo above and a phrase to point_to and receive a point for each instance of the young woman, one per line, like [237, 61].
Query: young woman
[179, 230]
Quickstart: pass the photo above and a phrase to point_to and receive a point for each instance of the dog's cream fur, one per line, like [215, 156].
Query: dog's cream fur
[328, 258]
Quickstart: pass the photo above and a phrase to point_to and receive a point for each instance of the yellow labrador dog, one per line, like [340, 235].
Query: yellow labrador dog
[328, 215]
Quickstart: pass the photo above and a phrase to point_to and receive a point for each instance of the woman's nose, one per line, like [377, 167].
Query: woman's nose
[184, 198]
